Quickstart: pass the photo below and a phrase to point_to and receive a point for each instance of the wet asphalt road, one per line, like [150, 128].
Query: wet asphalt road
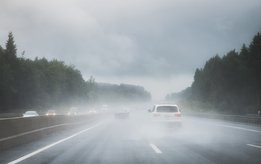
[137, 140]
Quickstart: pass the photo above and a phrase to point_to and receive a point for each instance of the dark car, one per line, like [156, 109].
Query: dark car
[122, 114]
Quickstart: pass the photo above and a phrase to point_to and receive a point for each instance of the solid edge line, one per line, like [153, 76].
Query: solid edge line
[240, 128]
[51, 145]
[155, 148]
[256, 146]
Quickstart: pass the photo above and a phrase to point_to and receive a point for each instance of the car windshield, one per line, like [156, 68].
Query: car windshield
[167, 109]
[30, 112]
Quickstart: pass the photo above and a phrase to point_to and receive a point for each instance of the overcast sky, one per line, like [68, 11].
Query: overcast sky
[154, 43]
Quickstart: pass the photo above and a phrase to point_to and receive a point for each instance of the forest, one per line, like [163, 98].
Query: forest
[42, 83]
[227, 84]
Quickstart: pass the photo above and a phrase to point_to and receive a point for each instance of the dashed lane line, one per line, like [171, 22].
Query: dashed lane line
[155, 148]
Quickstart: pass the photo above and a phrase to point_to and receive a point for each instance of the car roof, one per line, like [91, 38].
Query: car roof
[166, 105]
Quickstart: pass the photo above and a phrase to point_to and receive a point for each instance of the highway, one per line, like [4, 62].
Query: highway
[136, 140]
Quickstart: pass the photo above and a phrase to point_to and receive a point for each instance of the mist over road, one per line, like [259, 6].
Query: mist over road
[136, 140]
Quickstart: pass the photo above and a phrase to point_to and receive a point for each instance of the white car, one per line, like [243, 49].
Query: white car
[93, 111]
[166, 113]
[104, 108]
[30, 114]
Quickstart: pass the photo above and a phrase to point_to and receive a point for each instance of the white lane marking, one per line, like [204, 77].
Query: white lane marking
[240, 128]
[256, 146]
[51, 145]
[11, 118]
[155, 148]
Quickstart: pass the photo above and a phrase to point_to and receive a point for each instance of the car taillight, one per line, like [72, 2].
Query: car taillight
[178, 114]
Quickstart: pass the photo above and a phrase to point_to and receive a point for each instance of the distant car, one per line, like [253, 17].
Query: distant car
[50, 113]
[93, 111]
[166, 113]
[73, 111]
[122, 114]
[30, 114]
[104, 108]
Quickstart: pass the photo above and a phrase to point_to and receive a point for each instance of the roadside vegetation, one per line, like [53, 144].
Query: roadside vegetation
[227, 84]
[42, 83]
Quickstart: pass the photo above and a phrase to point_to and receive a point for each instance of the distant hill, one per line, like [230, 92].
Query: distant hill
[105, 92]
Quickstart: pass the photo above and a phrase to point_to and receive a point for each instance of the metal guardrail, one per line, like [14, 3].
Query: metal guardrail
[14, 131]
[253, 119]
[9, 115]
[13, 126]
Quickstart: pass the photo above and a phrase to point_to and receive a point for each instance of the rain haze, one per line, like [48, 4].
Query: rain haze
[156, 44]
[130, 81]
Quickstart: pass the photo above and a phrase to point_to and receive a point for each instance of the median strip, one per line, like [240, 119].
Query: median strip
[34, 131]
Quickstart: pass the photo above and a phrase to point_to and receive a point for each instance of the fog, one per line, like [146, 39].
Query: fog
[115, 60]
[157, 86]
[196, 139]
[157, 44]
[105, 136]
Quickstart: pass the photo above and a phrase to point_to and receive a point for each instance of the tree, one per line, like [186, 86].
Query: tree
[255, 65]
[10, 47]
[231, 84]
[244, 52]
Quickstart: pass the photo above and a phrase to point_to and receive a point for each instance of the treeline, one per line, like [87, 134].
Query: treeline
[103, 92]
[36, 83]
[228, 84]
[39, 83]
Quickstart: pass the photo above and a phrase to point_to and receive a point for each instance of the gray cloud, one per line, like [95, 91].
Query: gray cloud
[142, 39]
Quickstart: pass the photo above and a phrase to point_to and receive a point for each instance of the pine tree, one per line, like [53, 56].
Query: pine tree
[255, 46]
[255, 63]
[244, 51]
[10, 52]
[10, 46]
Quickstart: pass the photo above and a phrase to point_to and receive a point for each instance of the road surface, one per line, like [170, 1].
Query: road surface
[134, 140]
